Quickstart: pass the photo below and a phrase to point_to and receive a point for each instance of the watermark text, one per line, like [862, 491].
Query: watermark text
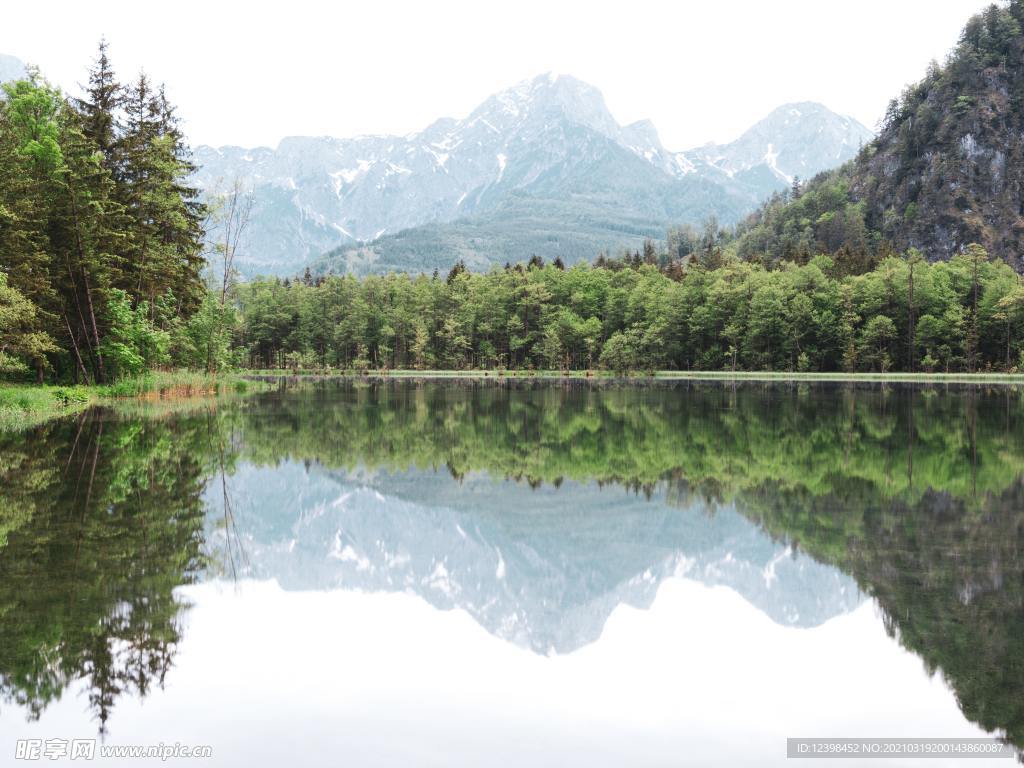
[88, 749]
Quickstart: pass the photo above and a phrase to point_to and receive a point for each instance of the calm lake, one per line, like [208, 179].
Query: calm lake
[405, 573]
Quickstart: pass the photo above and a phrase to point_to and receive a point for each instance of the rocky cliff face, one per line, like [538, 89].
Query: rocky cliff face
[948, 166]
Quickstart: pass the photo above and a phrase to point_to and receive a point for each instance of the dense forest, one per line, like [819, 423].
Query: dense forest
[966, 314]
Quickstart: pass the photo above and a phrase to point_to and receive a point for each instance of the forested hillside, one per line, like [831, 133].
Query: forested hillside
[101, 236]
[946, 170]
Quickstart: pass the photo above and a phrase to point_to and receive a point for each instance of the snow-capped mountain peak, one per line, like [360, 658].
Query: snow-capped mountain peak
[551, 137]
[794, 140]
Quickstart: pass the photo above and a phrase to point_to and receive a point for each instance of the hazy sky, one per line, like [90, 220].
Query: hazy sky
[250, 73]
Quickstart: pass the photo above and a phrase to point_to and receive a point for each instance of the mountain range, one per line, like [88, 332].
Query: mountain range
[542, 167]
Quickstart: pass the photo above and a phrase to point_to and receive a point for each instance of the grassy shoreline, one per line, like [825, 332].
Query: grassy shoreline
[606, 376]
[26, 405]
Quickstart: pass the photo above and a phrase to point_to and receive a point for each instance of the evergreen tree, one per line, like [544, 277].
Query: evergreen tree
[100, 106]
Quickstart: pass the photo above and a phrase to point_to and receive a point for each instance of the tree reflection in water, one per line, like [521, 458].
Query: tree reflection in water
[916, 493]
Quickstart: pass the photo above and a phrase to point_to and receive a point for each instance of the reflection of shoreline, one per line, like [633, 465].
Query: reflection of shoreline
[109, 519]
[854, 475]
[717, 440]
[605, 378]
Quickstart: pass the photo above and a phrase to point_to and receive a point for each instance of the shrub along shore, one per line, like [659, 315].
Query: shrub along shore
[25, 405]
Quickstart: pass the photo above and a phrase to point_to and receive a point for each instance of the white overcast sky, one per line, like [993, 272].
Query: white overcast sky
[251, 73]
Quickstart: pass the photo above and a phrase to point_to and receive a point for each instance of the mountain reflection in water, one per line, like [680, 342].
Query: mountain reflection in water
[540, 567]
[543, 513]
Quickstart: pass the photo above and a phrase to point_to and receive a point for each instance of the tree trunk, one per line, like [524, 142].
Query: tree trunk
[910, 330]
[95, 329]
[88, 290]
[74, 346]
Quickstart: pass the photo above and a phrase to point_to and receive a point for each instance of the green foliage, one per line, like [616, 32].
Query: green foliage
[132, 345]
[32, 111]
[823, 219]
[21, 339]
[876, 338]
[632, 315]
[620, 353]
[67, 396]
[97, 225]
[203, 342]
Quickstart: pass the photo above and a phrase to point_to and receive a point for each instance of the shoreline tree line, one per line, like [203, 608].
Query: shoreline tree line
[647, 312]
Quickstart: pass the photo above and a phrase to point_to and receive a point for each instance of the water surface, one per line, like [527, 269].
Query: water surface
[421, 573]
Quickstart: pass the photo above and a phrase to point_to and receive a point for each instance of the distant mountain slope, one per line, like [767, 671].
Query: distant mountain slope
[946, 170]
[11, 68]
[572, 229]
[541, 167]
[795, 140]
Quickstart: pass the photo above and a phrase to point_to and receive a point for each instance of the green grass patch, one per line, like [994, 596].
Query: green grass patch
[177, 384]
[25, 405]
